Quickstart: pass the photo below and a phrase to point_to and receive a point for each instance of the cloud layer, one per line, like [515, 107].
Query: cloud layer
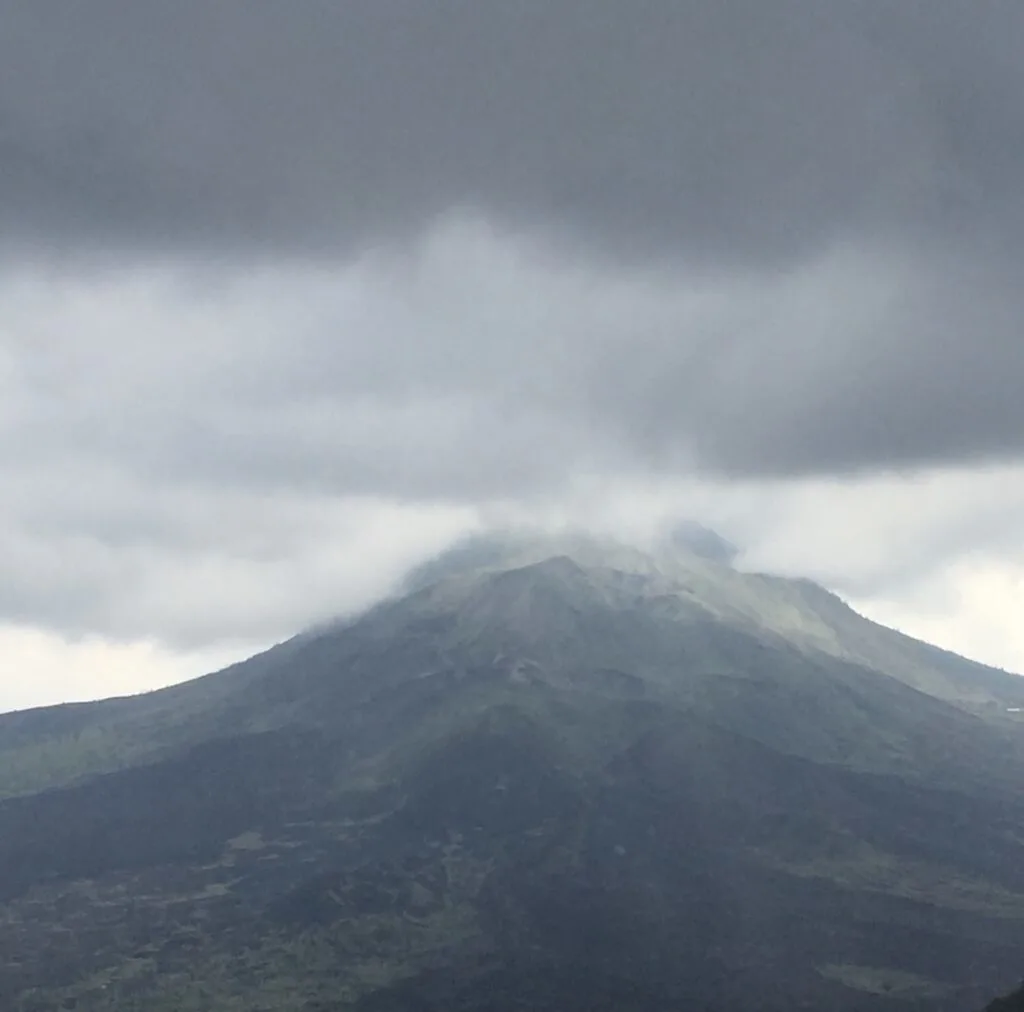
[848, 176]
[237, 457]
[289, 296]
[737, 130]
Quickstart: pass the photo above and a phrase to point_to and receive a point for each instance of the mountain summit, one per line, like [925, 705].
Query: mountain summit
[551, 773]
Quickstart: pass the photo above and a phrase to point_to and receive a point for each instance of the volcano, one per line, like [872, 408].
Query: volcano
[551, 773]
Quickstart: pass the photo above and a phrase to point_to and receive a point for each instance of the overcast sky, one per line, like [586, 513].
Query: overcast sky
[291, 295]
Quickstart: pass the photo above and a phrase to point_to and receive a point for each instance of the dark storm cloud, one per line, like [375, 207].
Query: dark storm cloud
[808, 214]
[866, 363]
[736, 129]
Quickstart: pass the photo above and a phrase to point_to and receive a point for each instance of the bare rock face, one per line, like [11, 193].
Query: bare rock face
[552, 774]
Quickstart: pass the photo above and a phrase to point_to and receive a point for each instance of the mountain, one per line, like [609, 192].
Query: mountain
[551, 773]
[1012, 1002]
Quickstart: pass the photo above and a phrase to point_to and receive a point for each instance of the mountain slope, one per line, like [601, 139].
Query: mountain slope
[550, 772]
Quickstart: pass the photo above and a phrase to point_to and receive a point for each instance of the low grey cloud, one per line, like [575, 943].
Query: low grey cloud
[275, 277]
[241, 456]
[740, 145]
[737, 130]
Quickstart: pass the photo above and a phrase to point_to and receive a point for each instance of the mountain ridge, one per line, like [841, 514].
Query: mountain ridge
[549, 763]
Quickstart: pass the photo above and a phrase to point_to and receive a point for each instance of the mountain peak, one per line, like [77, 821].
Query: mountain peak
[687, 544]
[703, 542]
